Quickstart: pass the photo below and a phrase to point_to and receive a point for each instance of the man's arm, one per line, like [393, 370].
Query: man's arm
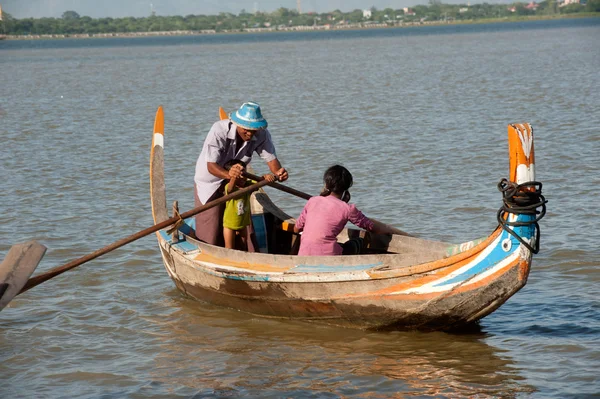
[278, 170]
[266, 150]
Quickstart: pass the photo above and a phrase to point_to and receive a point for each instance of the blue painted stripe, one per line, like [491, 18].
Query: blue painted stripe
[188, 226]
[191, 223]
[184, 246]
[260, 278]
[260, 231]
[495, 256]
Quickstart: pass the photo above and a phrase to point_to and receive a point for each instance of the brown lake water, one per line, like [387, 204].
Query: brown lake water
[418, 115]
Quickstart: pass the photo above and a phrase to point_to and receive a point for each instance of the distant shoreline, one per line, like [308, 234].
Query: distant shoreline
[356, 26]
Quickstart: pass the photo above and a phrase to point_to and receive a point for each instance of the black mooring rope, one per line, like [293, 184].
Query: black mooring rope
[522, 200]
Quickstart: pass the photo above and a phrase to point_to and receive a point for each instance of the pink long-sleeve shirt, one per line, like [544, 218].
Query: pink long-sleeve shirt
[322, 219]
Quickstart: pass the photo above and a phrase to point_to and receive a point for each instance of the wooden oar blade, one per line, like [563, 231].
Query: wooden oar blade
[17, 267]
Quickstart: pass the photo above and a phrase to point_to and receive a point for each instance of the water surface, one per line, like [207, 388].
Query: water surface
[418, 115]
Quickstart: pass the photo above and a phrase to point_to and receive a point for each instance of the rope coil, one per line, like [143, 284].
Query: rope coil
[522, 199]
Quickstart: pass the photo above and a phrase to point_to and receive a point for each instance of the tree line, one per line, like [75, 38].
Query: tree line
[72, 23]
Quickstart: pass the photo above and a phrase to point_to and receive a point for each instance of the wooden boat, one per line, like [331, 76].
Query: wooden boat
[401, 282]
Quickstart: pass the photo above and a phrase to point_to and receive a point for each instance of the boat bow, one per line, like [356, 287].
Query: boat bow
[158, 194]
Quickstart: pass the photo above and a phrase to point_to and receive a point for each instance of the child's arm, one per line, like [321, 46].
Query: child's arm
[381, 228]
[230, 187]
[270, 177]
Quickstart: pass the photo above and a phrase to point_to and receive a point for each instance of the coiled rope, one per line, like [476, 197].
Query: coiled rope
[522, 199]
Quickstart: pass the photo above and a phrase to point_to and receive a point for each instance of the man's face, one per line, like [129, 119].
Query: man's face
[245, 134]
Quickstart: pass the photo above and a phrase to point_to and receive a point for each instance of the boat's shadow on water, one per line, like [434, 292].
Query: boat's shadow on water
[213, 350]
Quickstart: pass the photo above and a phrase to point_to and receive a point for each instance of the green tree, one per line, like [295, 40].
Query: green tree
[521, 10]
[355, 16]
[70, 15]
[592, 6]
[572, 8]
[6, 23]
[337, 15]
[72, 23]
[551, 7]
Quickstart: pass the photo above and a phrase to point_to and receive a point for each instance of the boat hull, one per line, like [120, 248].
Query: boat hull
[377, 303]
[404, 282]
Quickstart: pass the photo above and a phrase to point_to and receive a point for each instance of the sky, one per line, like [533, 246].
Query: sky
[141, 8]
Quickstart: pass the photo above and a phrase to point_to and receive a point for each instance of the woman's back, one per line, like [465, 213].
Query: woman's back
[322, 219]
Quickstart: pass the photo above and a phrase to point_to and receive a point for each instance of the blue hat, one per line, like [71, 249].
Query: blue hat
[249, 117]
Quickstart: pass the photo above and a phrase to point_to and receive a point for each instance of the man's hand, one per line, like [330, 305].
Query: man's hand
[282, 174]
[236, 171]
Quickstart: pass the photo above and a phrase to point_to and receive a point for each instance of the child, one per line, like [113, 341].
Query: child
[325, 216]
[236, 217]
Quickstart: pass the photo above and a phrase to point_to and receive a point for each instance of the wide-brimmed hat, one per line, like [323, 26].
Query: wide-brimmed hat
[249, 117]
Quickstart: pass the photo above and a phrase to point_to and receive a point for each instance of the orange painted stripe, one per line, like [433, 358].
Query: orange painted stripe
[223, 114]
[493, 276]
[517, 154]
[257, 267]
[438, 264]
[460, 289]
[418, 282]
[159, 127]
[159, 121]
[392, 292]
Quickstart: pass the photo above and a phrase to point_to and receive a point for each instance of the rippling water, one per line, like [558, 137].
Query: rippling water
[418, 115]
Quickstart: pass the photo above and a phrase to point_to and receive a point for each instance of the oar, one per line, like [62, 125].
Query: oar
[17, 267]
[36, 280]
[307, 196]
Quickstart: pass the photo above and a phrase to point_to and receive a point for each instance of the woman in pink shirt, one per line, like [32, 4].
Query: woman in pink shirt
[325, 216]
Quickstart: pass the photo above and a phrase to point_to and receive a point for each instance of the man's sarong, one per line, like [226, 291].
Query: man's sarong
[209, 224]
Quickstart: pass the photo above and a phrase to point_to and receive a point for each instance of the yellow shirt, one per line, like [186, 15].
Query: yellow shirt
[237, 211]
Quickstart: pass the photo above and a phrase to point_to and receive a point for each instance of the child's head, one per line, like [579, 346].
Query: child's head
[232, 162]
[337, 180]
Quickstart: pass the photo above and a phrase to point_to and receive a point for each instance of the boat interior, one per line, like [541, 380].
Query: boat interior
[274, 233]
